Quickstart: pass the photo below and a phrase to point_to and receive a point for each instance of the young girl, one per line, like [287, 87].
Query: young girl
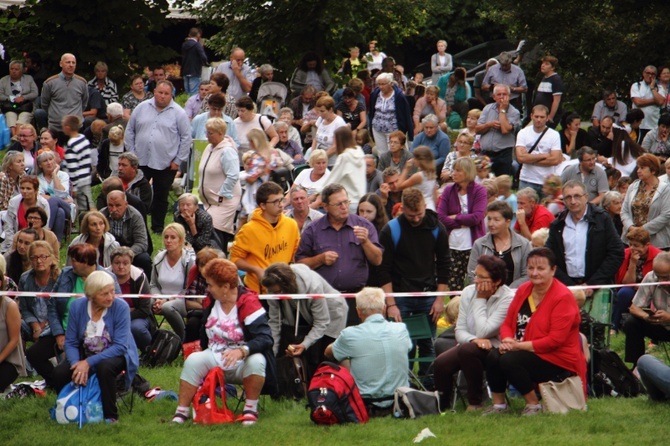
[250, 180]
[371, 208]
[553, 200]
[424, 179]
[364, 141]
[483, 164]
[110, 149]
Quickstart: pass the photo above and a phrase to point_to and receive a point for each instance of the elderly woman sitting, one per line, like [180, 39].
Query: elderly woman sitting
[291, 147]
[236, 337]
[196, 221]
[98, 340]
[482, 310]
[540, 337]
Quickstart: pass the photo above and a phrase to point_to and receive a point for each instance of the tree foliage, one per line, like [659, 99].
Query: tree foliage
[280, 31]
[117, 32]
[600, 44]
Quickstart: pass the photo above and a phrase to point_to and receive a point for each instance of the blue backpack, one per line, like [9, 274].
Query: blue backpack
[395, 231]
[79, 404]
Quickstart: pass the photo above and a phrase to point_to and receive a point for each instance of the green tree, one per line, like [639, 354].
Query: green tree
[600, 44]
[280, 31]
[117, 32]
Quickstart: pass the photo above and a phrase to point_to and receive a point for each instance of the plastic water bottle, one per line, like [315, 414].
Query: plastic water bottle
[94, 412]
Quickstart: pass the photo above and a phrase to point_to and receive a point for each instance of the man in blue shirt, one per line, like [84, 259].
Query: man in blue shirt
[375, 351]
[159, 133]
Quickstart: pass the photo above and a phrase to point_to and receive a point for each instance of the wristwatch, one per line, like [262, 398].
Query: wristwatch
[245, 350]
[503, 111]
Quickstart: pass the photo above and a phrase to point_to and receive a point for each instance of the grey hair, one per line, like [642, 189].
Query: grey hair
[505, 57]
[573, 183]
[372, 157]
[499, 86]
[286, 110]
[430, 118]
[188, 196]
[265, 68]
[280, 125]
[16, 62]
[115, 109]
[609, 198]
[370, 300]
[388, 77]
[529, 192]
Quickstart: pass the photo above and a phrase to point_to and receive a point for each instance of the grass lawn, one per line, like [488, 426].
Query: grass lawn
[608, 421]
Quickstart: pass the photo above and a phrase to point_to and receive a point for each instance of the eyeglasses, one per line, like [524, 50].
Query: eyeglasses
[481, 278]
[650, 73]
[25, 136]
[43, 258]
[34, 218]
[573, 197]
[275, 202]
[339, 204]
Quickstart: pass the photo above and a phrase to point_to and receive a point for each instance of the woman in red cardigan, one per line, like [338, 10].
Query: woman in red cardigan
[540, 337]
[638, 260]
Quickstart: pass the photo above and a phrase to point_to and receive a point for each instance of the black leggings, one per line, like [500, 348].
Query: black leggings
[521, 369]
[466, 357]
[8, 375]
[107, 371]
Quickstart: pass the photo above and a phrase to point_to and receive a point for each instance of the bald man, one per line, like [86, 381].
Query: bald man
[64, 93]
[238, 72]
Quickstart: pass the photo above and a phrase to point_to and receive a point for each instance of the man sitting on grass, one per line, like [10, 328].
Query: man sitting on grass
[375, 351]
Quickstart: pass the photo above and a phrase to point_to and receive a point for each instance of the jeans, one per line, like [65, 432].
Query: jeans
[191, 84]
[60, 211]
[141, 330]
[655, 376]
[536, 187]
[409, 306]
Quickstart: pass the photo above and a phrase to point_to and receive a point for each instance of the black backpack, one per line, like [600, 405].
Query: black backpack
[291, 378]
[612, 377]
[164, 349]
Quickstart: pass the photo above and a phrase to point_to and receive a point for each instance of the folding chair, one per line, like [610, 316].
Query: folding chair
[599, 307]
[419, 329]
[125, 397]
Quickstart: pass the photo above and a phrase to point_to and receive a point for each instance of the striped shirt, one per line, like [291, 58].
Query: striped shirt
[78, 161]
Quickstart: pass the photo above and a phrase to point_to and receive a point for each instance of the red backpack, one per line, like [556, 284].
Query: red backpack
[334, 397]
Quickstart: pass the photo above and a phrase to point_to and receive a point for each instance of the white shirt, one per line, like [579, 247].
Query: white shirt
[641, 90]
[550, 142]
[574, 241]
[460, 239]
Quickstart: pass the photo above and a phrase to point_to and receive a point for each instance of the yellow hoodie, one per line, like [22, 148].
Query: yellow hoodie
[261, 244]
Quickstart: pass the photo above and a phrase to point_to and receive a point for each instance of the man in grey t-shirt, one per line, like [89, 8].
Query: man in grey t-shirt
[64, 93]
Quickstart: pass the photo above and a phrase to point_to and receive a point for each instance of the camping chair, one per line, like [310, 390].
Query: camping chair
[125, 397]
[599, 307]
[418, 328]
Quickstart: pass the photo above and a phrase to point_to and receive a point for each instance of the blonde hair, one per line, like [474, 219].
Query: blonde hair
[425, 161]
[451, 311]
[178, 229]
[541, 234]
[259, 140]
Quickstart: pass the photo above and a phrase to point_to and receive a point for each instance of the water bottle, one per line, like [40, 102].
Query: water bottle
[94, 412]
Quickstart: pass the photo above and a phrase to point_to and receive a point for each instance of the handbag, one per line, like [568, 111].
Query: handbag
[412, 403]
[561, 397]
[205, 407]
[190, 347]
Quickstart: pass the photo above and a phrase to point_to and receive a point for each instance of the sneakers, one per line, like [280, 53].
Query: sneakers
[531, 410]
[494, 410]
[111, 420]
[248, 418]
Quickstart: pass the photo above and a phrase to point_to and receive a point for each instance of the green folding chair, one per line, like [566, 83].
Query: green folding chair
[418, 327]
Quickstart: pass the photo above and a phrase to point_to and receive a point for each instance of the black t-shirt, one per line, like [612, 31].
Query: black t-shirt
[522, 319]
[548, 87]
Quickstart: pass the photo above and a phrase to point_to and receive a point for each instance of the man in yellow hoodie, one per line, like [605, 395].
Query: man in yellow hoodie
[268, 237]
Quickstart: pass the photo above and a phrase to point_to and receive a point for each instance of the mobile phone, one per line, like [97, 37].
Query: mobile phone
[649, 311]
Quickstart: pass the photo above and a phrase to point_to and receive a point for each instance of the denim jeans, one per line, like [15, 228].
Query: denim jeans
[191, 84]
[409, 306]
[655, 376]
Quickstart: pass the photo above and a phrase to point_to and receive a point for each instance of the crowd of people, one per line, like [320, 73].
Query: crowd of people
[382, 205]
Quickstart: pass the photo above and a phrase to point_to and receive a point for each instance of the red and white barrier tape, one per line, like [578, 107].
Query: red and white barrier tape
[310, 296]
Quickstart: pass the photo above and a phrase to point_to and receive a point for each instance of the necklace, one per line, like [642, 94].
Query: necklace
[506, 246]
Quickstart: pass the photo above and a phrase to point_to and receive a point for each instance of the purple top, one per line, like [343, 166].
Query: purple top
[449, 204]
[292, 149]
[350, 271]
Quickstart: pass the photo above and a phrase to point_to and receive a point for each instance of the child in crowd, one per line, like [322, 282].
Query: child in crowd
[553, 198]
[483, 164]
[364, 141]
[613, 176]
[539, 238]
[78, 162]
[250, 179]
[622, 185]
[504, 183]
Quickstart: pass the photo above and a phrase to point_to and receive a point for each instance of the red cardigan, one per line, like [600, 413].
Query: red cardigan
[553, 328]
[648, 264]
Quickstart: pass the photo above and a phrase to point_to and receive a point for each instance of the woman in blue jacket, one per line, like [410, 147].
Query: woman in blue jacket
[98, 340]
